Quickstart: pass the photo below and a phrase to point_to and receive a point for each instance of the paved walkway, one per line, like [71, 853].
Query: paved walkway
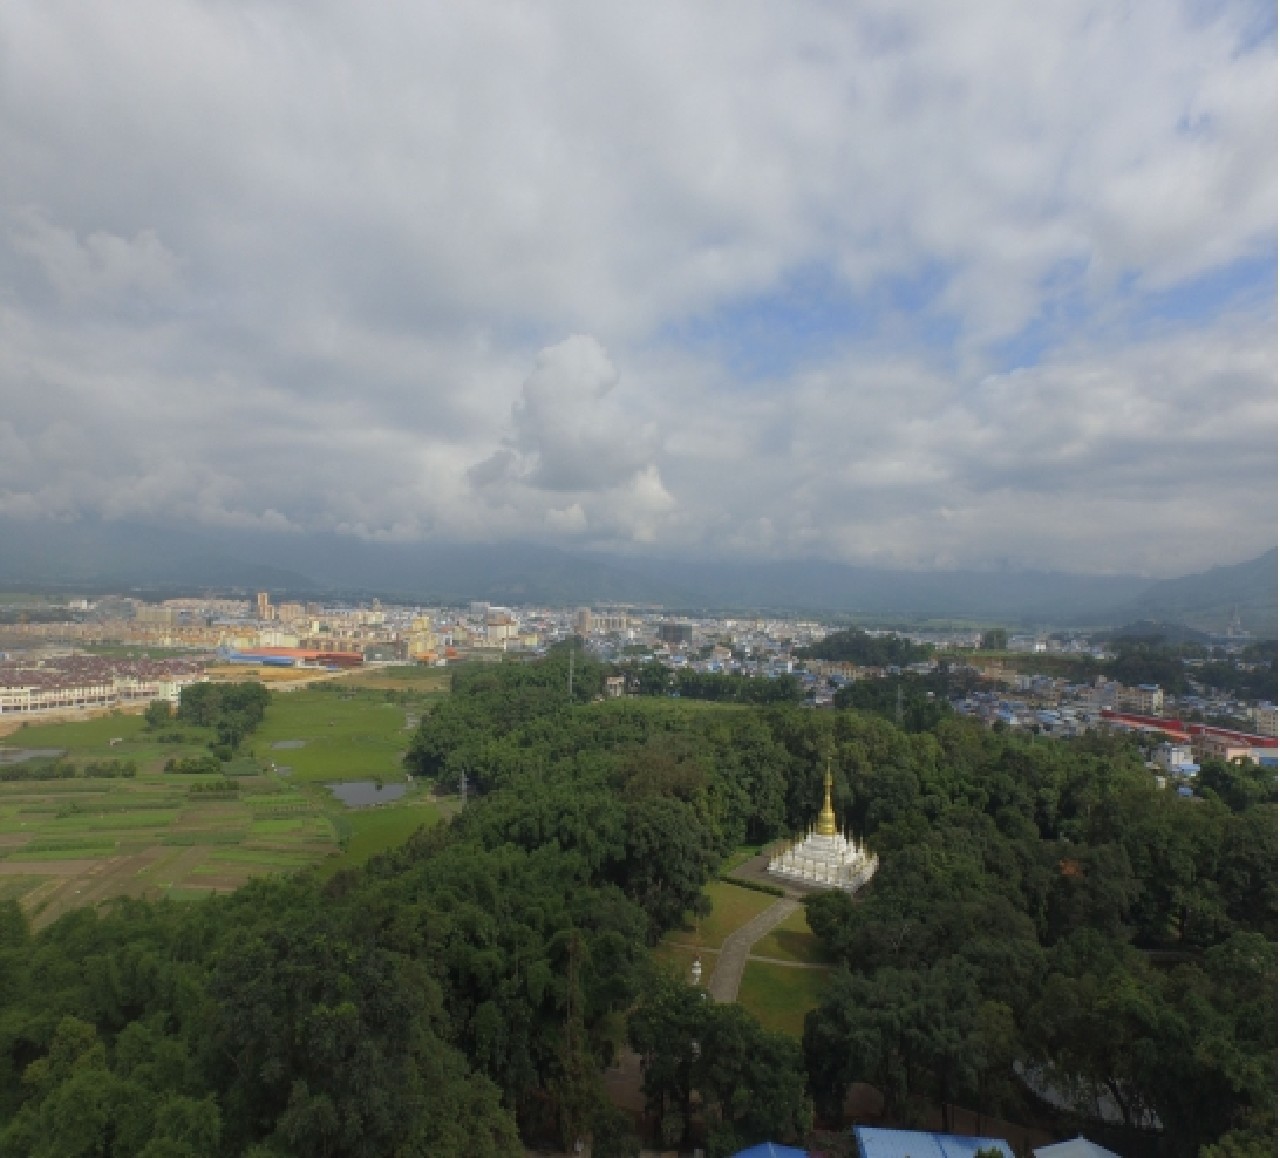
[732, 958]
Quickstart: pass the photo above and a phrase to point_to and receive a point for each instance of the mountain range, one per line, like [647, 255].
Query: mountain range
[100, 555]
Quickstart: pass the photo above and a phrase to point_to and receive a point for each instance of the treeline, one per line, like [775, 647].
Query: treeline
[61, 769]
[656, 679]
[233, 711]
[464, 994]
[858, 647]
[1249, 676]
[914, 702]
[225, 786]
[193, 765]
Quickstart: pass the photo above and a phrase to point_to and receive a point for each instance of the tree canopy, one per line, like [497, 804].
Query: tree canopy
[1042, 907]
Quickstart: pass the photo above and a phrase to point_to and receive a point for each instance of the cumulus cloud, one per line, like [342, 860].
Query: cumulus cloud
[439, 270]
[574, 453]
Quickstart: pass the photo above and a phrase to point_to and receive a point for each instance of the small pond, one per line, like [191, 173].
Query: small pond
[22, 755]
[361, 793]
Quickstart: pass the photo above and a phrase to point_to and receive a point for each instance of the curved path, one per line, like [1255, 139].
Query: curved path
[732, 957]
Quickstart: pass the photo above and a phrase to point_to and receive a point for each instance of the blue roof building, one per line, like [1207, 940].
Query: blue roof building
[874, 1143]
[772, 1150]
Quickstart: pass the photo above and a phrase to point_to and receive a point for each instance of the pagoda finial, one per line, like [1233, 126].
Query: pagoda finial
[827, 817]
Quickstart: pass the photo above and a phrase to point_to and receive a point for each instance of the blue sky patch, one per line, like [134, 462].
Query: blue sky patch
[812, 314]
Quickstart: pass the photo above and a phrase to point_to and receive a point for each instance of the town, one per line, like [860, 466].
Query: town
[1033, 682]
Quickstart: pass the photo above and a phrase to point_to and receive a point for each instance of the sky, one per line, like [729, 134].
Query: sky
[927, 285]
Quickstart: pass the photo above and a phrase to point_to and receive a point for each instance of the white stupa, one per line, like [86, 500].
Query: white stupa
[825, 858]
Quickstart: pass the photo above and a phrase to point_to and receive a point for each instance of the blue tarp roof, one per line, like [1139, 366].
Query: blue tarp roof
[873, 1143]
[772, 1150]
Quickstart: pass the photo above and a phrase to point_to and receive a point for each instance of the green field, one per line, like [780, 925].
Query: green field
[71, 842]
[731, 908]
[779, 996]
[90, 737]
[348, 734]
[792, 940]
[133, 651]
[374, 830]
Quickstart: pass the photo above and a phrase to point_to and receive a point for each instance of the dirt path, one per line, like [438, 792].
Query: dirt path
[732, 958]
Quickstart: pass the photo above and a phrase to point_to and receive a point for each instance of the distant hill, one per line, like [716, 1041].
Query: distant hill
[820, 585]
[1208, 600]
[124, 555]
[1152, 630]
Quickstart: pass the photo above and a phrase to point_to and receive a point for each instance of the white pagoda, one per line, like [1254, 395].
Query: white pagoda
[825, 858]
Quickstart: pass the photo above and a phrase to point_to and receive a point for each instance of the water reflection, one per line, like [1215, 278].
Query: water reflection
[362, 793]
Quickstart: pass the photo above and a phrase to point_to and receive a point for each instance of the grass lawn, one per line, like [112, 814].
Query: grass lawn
[779, 997]
[792, 940]
[731, 908]
[374, 830]
[739, 856]
[680, 958]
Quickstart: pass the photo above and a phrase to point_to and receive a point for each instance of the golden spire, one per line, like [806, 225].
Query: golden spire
[827, 817]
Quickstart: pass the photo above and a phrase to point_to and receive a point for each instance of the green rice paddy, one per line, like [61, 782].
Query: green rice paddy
[71, 842]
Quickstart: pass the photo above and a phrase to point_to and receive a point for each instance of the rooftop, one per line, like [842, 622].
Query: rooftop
[873, 1143]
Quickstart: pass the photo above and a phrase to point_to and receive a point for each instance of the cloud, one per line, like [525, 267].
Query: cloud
[103, 265]
[575, 458]
[882, 284]
[564, 421]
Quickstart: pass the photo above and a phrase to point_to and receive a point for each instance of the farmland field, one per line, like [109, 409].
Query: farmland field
[334, 732]
[71, 842]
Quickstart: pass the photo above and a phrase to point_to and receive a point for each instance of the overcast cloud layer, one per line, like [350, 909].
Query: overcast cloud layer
[922, 285]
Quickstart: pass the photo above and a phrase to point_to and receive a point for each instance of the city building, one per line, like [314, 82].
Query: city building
[1177, 759]
[1145, 699]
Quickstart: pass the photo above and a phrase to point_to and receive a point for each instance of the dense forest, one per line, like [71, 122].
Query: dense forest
[1042, 908]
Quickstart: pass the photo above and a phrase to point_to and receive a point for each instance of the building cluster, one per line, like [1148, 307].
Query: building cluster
[294, 633]
[62, 682]
[1062, 707]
